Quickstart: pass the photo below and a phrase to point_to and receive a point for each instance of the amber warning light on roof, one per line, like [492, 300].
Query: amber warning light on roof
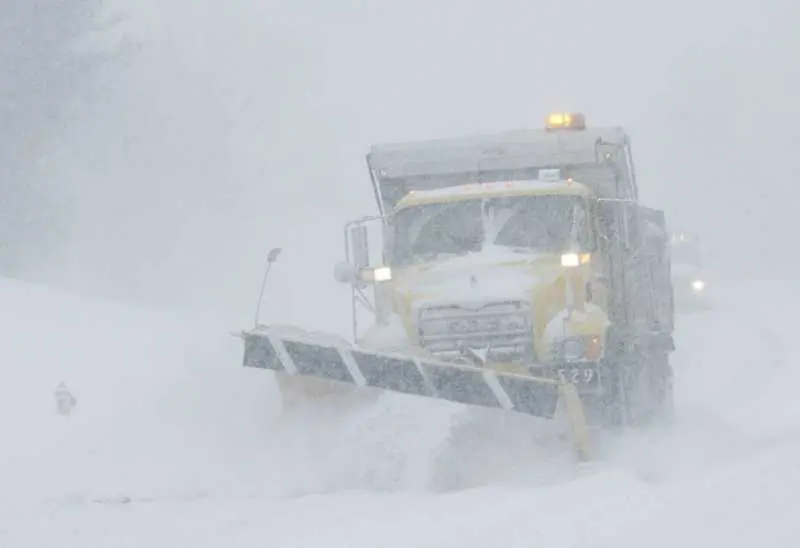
[564, 120]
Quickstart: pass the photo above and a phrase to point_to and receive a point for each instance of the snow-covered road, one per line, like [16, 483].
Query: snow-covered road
[174, 444]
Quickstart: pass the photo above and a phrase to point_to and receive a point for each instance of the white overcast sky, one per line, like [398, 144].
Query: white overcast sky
[242, 125]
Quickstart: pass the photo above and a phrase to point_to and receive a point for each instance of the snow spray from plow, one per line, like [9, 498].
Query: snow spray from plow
[311, 355]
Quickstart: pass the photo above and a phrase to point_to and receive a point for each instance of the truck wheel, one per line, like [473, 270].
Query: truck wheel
[655, 395]
[639, 395]
[614, 407]
[665, 411]
[638, 386]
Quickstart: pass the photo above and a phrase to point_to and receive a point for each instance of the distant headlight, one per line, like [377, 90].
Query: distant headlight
[698, 285]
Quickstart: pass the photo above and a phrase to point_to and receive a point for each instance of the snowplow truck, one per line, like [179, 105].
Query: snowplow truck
[515, 270]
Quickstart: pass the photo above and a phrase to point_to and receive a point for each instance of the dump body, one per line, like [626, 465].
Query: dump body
[598, 157]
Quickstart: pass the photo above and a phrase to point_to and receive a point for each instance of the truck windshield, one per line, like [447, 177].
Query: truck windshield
[524, 223]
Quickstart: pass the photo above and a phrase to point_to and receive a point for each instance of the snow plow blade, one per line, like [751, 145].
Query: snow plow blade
[317, 356]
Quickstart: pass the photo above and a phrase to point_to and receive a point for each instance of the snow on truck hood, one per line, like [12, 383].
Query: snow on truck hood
[493, 274]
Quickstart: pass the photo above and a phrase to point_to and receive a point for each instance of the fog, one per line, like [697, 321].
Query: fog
[235, 127]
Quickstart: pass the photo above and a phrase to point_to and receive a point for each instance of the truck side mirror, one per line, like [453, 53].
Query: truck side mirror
[360, 246]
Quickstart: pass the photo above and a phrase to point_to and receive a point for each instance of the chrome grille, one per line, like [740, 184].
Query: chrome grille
[502, 328]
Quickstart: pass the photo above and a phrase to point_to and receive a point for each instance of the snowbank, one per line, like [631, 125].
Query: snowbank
[173, 443]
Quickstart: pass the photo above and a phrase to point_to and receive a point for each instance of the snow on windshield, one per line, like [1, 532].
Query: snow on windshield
[529, 223]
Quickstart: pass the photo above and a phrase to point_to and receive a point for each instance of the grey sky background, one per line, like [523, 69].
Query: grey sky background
[243, 125]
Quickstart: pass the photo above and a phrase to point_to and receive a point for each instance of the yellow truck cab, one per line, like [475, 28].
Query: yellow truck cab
[469, 262]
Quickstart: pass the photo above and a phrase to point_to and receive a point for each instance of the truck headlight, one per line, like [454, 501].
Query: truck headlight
[382, 274]
[571, 260]
[698, 285]
[379, 274]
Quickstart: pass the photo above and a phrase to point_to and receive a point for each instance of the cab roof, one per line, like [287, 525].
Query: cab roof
[470, 191]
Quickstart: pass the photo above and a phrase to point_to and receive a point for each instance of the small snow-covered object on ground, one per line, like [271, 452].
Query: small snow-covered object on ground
[65, 401]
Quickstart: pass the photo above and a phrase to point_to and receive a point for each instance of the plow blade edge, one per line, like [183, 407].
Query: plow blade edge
[317, 356]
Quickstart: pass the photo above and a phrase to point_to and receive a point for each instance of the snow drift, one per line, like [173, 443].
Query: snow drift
[174, 443]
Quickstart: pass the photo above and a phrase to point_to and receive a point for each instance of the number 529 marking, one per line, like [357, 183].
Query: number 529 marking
[577, 375]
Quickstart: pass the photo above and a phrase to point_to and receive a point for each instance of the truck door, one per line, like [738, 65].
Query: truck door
[612, 243]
